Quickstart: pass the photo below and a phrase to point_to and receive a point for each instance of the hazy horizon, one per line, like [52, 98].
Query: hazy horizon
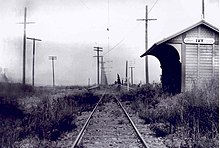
[70, 29]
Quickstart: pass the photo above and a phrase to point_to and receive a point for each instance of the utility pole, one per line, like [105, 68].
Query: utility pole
[132, 82]
[24, 43]
[126, 75]
[107, 72]
[102, 71]
[33, 39]
[146, 43]
[126, 72]
[88, 82]
[104, 80]
[52, 58]
[203, 9]
[98, 49]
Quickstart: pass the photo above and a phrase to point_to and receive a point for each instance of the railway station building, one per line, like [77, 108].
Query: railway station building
[189, 58]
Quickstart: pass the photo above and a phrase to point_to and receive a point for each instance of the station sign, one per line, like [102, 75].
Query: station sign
[193, 40]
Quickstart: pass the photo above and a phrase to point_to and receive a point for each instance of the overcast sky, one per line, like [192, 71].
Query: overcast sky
[70, 29]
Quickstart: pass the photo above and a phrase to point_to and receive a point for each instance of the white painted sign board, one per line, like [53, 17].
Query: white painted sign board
[192, 40]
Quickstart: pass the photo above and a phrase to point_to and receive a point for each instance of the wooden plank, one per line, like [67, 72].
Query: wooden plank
[193, 50]
[183, 67]
[191, 63]
[206, 59]
[192, 68]
[206, 54]
[191, 59]
[209, 63]
[206, 69]
[206, 63]
[191, 72]
[206, 77]
[206, 73]
[192, 75]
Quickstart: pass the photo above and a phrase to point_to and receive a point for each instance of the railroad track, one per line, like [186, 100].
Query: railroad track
[109, 125]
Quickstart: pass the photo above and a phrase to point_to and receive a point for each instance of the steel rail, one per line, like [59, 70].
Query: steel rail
[79, 137]
[132, 123]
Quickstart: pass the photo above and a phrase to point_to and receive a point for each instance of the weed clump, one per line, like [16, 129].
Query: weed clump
[53, 115]
[192, 116]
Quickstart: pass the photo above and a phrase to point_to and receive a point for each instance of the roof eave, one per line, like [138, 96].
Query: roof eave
[149, 50]
[180, 32]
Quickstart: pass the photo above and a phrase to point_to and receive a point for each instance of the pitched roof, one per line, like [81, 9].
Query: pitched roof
[202, 22]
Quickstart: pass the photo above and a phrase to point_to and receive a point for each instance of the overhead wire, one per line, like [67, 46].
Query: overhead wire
[117, 44]
[108, 25]
[109, 50]
[153, 6]
[84, 4]
[114, 47]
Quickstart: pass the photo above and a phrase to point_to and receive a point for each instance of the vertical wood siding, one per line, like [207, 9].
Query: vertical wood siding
[201, 61]
[191, 71]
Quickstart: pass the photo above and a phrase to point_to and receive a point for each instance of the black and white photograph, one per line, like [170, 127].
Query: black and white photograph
[109, 73]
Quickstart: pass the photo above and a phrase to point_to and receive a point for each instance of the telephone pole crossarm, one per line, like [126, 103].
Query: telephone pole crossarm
[33, 39]
[24, 43]
[98, 50]
[146, 42]
[146, 19]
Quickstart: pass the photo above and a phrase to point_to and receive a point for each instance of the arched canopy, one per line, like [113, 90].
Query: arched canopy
[165, 53]
[170, 65]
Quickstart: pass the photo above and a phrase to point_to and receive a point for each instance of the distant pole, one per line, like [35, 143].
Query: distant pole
[132, 80]
[33, 39]
[88, 81]
[126, 72]
[52, 58]
[102, 71]
[126, 75]
[24, 43]
[146, 46]
[203, 9]
[146, 43]
[98, 49]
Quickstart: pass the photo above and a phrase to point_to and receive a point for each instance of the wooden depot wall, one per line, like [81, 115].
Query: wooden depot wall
[199, 54]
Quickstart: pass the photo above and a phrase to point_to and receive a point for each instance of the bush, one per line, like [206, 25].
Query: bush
[193, 114]
[146, 93]
[14, 90]
[52, 116]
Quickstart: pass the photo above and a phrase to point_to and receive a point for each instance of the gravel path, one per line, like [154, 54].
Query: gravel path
[144, 129]
[109, 127]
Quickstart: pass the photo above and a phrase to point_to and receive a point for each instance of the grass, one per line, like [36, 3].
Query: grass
[47, 119]
[191, 117]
